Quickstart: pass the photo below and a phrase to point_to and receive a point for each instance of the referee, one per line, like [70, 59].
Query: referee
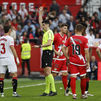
[47, 55]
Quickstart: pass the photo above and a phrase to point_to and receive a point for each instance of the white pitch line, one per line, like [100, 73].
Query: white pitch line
[30, 85]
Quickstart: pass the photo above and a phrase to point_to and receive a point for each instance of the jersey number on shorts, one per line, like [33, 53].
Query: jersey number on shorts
[75, 49]
[2, 51]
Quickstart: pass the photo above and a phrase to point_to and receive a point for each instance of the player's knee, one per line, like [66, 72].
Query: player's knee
[14, 74]
[2, 76]
[82, 77]
[74, 76]
[64, 74]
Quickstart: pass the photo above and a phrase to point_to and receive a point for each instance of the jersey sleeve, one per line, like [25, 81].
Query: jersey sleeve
[86, 44]
[11, 42]
[50, 34]
[55, 38]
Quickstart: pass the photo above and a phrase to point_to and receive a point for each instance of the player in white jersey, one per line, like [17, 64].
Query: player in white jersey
[90, 44]
[7, 54]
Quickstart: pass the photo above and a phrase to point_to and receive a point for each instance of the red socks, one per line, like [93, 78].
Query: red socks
[64, 81]
[73, 85]
[83, 85]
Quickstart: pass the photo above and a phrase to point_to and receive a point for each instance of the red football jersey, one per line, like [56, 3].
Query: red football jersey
[77, 45]
[59, 41]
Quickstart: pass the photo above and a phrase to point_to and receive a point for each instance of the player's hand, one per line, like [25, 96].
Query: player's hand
[67, 60]
[88, 65]
[59, 53]
[41, 9]
[17, 60]
[36, 46]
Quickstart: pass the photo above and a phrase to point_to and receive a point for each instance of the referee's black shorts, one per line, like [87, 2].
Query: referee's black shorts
[47, 57]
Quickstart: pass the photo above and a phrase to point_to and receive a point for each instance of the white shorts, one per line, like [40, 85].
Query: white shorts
[12, 68]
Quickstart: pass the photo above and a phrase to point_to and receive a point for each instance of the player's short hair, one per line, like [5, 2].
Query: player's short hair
[7, 28]
[62, 25]
[79, 28]
[45, 21]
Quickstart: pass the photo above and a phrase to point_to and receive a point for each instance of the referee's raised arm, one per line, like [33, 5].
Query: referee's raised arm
[40, 16]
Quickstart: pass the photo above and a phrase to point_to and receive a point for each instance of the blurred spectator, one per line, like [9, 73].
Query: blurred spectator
[23, 37]
[71, 24]
[99, 13]
[67, 9]
[95, 14]
[23, 11]
[45, 13]
[55, 7]
[3, 19]
[81, 14]
[93, 24]
[19, 20]
[54, 23]
[13, 33]
[55, 30]
[14, 23]
[94, 68]
[18, 34]
[1, 30]
[14, 13]
[29, 25]
[64, 17]
[83, 21]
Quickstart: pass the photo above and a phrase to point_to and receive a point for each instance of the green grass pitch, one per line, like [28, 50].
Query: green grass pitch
[31, 89]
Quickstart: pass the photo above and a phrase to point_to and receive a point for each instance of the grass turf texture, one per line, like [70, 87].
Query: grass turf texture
[32, 92]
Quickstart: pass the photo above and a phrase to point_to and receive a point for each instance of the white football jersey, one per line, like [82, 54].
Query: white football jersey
[99, 46]
[90, 40]
[6, 55]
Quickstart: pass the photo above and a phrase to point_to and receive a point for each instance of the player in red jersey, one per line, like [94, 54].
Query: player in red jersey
[59, 60]
[79, 59]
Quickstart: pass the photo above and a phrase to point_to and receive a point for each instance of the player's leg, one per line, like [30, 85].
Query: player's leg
[2, 84]
[49, 79]
[2, 76]
[87, 85]
[64, 74]
[74, 72]
[98, 52]
[13, 71]
[82, 70]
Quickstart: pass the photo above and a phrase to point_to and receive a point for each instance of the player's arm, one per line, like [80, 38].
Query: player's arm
[87, 57]
[64, 50]
[40, 16]
[57, 53]
[14, 53]
[98, 52]
[45, 45]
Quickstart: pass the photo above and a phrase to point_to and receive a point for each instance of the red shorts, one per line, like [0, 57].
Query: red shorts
[59, 66]
[77, 70]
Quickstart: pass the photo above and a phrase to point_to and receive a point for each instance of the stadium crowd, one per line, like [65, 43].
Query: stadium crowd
[25, 25]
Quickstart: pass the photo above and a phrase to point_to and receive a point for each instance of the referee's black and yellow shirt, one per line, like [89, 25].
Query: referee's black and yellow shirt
[48, 35]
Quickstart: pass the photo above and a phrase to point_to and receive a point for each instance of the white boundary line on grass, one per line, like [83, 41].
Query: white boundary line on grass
[30, 85]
